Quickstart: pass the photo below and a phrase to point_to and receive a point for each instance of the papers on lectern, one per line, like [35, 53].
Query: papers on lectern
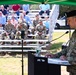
[58, 61]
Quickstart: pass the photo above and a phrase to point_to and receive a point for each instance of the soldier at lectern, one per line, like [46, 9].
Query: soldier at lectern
[69, 53]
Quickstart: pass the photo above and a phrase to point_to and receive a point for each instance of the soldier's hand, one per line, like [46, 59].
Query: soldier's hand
[49, 55]
[8, 33]
[39, 33]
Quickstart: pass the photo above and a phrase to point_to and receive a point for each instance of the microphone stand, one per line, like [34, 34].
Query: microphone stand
[60, 36]
[22, 37]
[22, 60]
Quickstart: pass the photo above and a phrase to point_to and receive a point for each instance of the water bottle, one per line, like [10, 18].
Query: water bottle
[38, 50]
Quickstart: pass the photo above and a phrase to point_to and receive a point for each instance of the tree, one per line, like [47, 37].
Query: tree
[66, 8]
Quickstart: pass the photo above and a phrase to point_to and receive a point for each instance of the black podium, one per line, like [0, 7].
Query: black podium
[37, 65]
[40, 66]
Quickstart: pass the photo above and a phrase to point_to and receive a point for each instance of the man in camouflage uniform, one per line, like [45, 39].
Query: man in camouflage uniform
[21, 26]
[41, 30]
[9, 31]
[69, 53]
[36, 20]
[35, 23]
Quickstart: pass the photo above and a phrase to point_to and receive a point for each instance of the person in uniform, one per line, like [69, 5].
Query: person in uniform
[41, 30]
[21, 26]
[35, 23]
[9, 31]
[69, 53]
[21, 18]
[36, 20]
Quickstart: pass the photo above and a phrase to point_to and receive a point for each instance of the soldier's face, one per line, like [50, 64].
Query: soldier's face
[9, 21]
[41, 23]
[72, 22]
[37, 17]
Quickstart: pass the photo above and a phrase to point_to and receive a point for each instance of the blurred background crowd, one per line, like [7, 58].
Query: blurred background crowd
[15, 18]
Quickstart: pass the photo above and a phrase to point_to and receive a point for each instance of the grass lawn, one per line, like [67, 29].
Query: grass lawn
[10, 65]
[57, 44]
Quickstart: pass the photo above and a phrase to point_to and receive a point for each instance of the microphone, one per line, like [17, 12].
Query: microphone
[60, 36]
[65, 45]
[66, 32]
[22, 34]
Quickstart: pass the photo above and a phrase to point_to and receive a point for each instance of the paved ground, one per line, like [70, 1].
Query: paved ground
[63, 71]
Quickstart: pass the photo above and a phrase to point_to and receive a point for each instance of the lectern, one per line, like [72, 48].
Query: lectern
[37, 65]
[40, 66]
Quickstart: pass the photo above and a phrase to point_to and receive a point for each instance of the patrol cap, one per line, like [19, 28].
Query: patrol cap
[71, 13]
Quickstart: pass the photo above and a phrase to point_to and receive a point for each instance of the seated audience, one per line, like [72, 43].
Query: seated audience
[14, 21]
[41, 30]
[2, 20]
[47, 23]
[35, 23]
[9, 31]
[16, 8]
[21, 26]
[44, 8]
[25, 7]
[27, 19]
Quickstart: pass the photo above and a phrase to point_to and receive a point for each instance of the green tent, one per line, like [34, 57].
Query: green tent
[64, 2]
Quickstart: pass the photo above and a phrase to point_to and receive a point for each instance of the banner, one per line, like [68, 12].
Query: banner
[53, 19]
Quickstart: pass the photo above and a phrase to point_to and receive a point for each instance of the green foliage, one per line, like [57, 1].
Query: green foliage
[34, 7]
[56, 45]
[66, 8]
[63, 8]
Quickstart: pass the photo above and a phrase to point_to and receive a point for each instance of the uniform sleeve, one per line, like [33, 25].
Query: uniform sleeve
[34, 23]
[37, 28]
[13, 29]
[6, 28]
[62, 52]
[71, 55]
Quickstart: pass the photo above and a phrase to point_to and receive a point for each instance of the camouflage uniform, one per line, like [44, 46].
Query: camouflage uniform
[4, 35]
[36, 20]
[35, 23]
[10, 30]
[21, 26]
[70, 53]
[41, 31]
